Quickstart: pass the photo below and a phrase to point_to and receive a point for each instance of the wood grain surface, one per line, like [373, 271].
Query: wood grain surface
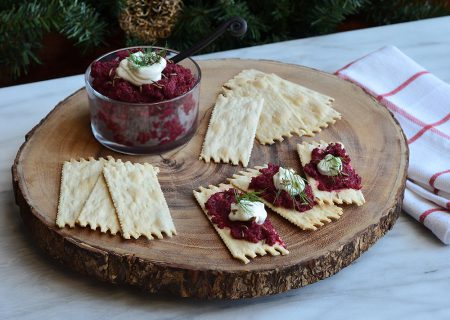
[195, 263]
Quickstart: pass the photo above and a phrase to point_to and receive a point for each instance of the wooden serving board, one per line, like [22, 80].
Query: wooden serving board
[196, 263]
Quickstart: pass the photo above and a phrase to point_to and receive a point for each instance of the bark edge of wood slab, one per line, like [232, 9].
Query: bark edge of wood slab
[195, 263]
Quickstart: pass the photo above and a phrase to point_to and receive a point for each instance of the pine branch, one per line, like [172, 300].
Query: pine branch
[20, 38]
[233, 8]
[270, 21]
[328, 14]
[195, 23]
[23, 25]
[283, 19]
[8, 4]
[199, 18]
[81, 23]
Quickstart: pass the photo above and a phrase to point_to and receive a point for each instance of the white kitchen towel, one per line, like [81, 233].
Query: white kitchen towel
[421, 103]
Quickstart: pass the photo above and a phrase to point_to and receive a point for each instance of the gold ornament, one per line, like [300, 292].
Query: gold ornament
[150, 20]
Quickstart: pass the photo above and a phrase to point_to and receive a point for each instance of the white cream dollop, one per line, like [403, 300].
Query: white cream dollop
[289, 181]
[330, 165]
[248, 210]
[139, 75]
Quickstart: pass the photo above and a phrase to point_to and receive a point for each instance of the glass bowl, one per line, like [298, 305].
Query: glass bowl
[144, 128]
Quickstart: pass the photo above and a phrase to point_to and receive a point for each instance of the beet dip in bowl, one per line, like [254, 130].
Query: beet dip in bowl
[141, 102]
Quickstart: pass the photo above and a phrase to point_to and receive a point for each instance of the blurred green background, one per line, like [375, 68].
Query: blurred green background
[54, 38]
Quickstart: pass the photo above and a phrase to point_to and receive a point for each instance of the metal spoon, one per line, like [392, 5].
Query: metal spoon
[235, 25]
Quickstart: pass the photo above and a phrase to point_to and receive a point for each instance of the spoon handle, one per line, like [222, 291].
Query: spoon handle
[236, 25]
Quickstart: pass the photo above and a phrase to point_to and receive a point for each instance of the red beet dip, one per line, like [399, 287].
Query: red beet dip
[176, 81]
[218, 207]
[348, 177]
[146, 126]
[264, 184]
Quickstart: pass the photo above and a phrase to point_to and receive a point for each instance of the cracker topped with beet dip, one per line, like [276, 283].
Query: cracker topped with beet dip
[288, 194]
[241, 222]
[329, 172]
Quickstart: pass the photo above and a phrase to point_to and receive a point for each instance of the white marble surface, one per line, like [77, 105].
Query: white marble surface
[404, 275]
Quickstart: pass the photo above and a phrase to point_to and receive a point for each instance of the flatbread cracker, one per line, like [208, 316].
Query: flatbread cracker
[99, 210]
[313, 107]
[239, 249]
[137, 196]
[278, 119]
[231, 130]
[347, 196]
[288, 107]
[77, 181]
[307, 220]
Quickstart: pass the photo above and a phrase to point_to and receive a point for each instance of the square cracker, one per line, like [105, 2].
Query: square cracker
[98, 210]
[306, 220]
[239, 249]
[231, 131]
[347, 196]
[77, 181]
[288, 107]
[137, 196]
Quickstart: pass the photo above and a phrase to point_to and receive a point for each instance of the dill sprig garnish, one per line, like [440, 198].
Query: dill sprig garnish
[304, 197]
[147, 58]
[244, 199]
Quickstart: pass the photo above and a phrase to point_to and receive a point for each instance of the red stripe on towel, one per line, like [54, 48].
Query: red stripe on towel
[393, 107]
[349, 64]
[403, 85]
[428, 212]
[428, 127]
[435, 176]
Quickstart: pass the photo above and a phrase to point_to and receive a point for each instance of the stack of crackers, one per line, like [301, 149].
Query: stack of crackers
[265, 106]
[115, 196]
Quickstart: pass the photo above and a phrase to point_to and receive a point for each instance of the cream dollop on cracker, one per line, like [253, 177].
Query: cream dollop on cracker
[248, 210]
[289, 181]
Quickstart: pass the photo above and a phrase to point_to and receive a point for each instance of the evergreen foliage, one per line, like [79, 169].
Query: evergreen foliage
[23, 23]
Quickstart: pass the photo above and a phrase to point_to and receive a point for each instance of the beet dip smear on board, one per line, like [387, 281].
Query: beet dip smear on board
[175, 81]
[218, 207]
